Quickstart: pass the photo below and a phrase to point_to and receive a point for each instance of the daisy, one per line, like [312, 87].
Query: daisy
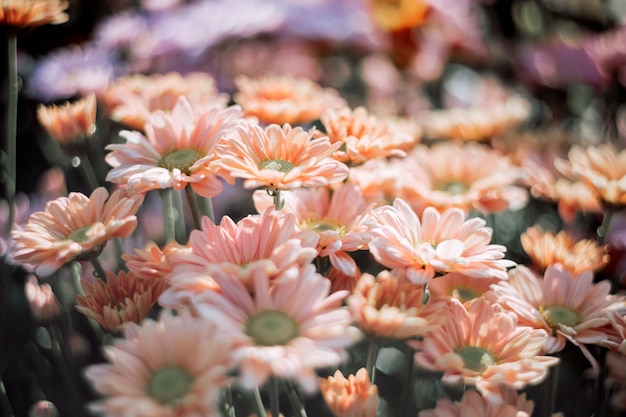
[436, 243]
[381, 180]
[340, 221]
[484, 346]
[173, 367]
[279, 158]
[71, 124]
[178, 150]
[473, 404]
[152, 263]
[546, 248]
[465, 288]
[285, 328]
[76, 227]
[569, 307]
[389, 307]
[31, 13]
[284, 99]
[354, 396]
[124, 298]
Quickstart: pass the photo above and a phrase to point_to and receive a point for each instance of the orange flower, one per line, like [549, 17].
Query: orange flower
[472, 404]
[602, 168]
[279, 158]
[122, 299]
[399, 14]
[381, 180]
[465, 288]
[74, 227]
[284, 99]
[351, 397]
[363, 136]
[131, 99]
[30, 13]
[388, 307]
[152, 263]
[72, 124]
[483, 345]
[546, 248]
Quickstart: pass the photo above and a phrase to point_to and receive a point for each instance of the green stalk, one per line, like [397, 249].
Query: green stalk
[258, 402]
[88, 171]
[372, 353]
[11, 125]
[169, 214]
[274, 402]
[552, 383]
[294, 399]
[207, 208]
[98, 270]
[192, 198]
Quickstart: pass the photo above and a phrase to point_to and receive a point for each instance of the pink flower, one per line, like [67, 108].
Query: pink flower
[354, 396]
[472, 404]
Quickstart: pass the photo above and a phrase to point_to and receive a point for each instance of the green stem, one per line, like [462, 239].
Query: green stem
[603, 230]
[279, 202]
[119, 251]
[75, 270]
[229, 403]
[192, 198]
[207, 208]
[274, 402]
[552, 392]
[169, 215]
[179, 218]
[294, 399]
[11, 125]
[5, 404]
[258, 402]
[98, 270]
[90, 174]
[63, 367]
[372, 353]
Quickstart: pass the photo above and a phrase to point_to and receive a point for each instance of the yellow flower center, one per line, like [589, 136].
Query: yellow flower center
[276, 165]
[182, 159]
[272, 328]
[324, 225]
[169, 385]
[555, 315]
[80, 235]
[464, 294]
[476, 358]
[452, 187]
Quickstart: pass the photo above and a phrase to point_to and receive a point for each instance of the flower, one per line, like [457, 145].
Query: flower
[354, 396]
[285, 327]
[133, 98]
[71, 124]
[397, 15]
[30, 13]
[178, 150]
[381, 180]
[280, 158]
[484, 346]
[602, 168]
[340, 281]
[569, 307]
[74, 228]
[284, 99]
[124, 298]
[474, 404]
[152, 263]
[438, 243]
[173, 367]
[465, 288]
[339, 221]
[363, 136]
[43, 303]
[546, 248]
[389, 307]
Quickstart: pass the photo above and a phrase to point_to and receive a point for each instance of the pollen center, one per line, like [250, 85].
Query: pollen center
[272, 328]
[324, 225]
[452, 187]
[476, 358]
[80, 235]
[276, 165]
[555, 315]
[168, 385]
[182, 159]
[464, 294]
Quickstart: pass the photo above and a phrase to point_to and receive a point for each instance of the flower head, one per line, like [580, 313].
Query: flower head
[465, 288]
[354, 396]
[178, 150]
[74, 228]
[473, 403]
[30, 13]
[173, 367]
[43, 304]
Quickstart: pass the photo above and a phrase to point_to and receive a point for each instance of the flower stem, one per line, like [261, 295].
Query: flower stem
[75, 275]
[98, 270]
[258, 402]
[119, 251]
[11, 125]
[372, 353]
[603, 230]
[279, 202]
[207, 208]
[552, 392]
[169, 215]
[230, 404]
[192, 198]
[295, 400]
[90, 174]
[602, 391]
[274, 403]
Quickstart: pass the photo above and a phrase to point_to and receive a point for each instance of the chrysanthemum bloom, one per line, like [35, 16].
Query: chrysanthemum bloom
[465, 288]
[546, 248]
[124, 298]
[476, 123]
[397, 15]
[354, 396]
[173, 367]
[484, 346]
[381, 180]
[152, 263]
[438, 243]
[133, 98]
[72, 124]
[573, 197]
[569, 307]
[281, 99]
[602, 168]
[340, 221]
[74, 227]
[285, 327]
[473, 404]
[178, 150]
[43, 304]
[364, 136]
[280, 158]
[390, 307]
[464, 175]
[30, 13]
[265, 242]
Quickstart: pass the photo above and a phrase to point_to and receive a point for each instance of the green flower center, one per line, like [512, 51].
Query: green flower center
[80, 235]
[182, 159]
[465, 294]
[279, 165]
[324, 225]
[272, 328]
[452, 187]
[476, 358]
[555, 315]
[168, 385]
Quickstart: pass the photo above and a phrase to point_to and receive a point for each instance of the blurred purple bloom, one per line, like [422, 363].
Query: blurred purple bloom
[119, 31]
